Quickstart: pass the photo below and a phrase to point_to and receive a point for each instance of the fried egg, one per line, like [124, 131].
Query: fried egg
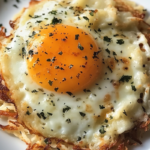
[78, 71]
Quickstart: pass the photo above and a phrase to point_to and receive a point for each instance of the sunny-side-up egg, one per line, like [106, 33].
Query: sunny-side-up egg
[77, 71]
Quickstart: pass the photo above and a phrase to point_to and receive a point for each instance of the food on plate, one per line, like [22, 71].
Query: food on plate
[75, 74]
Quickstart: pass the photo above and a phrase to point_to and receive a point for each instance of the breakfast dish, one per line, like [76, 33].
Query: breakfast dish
[75, 74]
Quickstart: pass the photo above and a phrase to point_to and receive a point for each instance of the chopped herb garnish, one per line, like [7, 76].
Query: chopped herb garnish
[114, 53]
[108, 51]
[79, 138]
[116, 35]
[23, 52]
[70, 66]
[50, 114]
[56, 21]
[69, 93]
[68, 120]
[82, 114]
[102, 131]
[1, 25]
[46, 141]
[54, 12]
[92, 13]
[38, 21]
[76, 36]
[107, 39]
[30, 52]
[86, 18]
[51, 34]
[133, 87]
[111, 117]
[99, 30]
[120, 41]
[60, 53]
[125, 112]
[65, 13]
[33, 34]
[110, 69]
[50, 82]
[125, 78]
[15, 6]
[36, 16]
[56, 89]
[66, 109]
[28, 113]
[106, 121]
[101, 107]
[143, 108]
[95, 54]
[43, 115]
[70, 7]
[8, 48]
[34, 91]
[49, 60]
[80, 47]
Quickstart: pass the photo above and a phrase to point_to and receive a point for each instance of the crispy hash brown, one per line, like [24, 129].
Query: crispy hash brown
[33, 138]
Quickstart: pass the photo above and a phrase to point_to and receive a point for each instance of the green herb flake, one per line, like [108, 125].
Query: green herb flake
[1, 25]
[50, 114]
[80, 47]
[66, 109]
[116, 35]
[110, 69]
[82, 114]
[107, 39]
[86, 18]
[102, 131]
[38, 21]
[111, 117]
[68, 120]
[50, 82]
[47, 141]
[76, 36]
[34, 91]
[23, 52]
[65, 13]
[28, 113]
[54, 12]
[125, 113]
[101, 107]
[114, 53]
[79, 138]
[15, 6]
[56, 21]
[33, 34]
[43, 115]
[91, 13]
[125, 78]
[107, 50]
[120, 41]
[133, 87]
[106, 121]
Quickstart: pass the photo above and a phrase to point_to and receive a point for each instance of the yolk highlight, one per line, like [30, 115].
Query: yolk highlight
[64, 59]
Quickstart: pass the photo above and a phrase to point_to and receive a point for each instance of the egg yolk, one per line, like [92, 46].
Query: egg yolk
[64, 59]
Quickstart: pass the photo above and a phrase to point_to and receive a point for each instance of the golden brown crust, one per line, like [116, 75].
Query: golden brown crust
[122, 6]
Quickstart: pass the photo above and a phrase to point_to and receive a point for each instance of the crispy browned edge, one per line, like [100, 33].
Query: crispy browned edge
[124, 140]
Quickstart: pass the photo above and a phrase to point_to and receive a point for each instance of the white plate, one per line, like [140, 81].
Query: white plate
[7, 11]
